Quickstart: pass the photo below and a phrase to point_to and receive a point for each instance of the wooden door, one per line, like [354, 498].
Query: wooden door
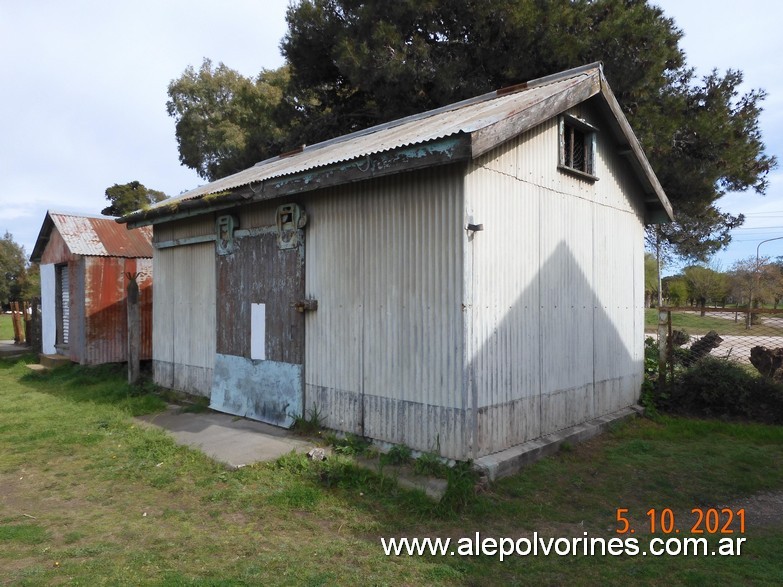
[260, 334]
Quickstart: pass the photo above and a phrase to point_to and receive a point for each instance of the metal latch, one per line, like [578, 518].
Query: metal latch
[305, 305]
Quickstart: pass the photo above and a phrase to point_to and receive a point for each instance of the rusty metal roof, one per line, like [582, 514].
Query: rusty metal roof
[485, 122]
[97, 236]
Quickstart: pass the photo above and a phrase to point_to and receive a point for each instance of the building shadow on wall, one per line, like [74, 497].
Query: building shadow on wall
[562, 354]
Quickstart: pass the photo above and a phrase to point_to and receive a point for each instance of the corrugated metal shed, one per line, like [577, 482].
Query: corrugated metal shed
[466, 291]
[85, 262]
[95, 236]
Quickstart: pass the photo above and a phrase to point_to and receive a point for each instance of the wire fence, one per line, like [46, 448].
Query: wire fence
[752, 338]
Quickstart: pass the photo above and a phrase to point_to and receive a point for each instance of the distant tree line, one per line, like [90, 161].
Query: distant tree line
[700, 285]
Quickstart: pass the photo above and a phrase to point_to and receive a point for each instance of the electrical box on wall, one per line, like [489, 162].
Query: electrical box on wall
[290, 218]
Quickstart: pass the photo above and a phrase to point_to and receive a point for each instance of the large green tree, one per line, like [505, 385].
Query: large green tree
[352, 64]
[705, 285]
[13, 264]
[226, 122]
[129, 197]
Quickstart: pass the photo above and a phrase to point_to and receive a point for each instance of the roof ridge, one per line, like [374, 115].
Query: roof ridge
[534, 83]
[82, 215]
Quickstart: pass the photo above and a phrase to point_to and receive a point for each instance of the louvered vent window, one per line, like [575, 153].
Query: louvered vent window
[577, 146]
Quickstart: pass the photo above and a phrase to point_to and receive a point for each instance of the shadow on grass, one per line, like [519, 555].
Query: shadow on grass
[7, 363]
[100, 384]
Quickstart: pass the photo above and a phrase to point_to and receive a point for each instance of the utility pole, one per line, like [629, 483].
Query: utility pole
[756, 278]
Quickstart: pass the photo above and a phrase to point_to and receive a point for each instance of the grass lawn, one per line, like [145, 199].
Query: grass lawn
[89, 497]
[6, 327]
[693, 323]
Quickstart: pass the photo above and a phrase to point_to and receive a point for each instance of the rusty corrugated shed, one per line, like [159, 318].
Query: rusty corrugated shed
[99, 254]
[94, 236]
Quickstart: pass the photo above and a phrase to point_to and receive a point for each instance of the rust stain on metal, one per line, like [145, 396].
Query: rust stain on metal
[106, 328]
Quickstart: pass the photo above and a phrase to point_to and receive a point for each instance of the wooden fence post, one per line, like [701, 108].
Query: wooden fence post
[663, 345]
[17, 319]
[35, 325]
[134, 328]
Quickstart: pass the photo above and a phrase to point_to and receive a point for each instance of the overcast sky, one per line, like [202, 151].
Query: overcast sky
[84, 92]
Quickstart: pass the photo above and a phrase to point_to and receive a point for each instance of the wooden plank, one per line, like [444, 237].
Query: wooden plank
[639, 159]
[134, 329]
[258, 272]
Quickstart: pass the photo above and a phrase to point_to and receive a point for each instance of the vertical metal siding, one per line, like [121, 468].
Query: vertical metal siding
[384, 349]
[145, 282]
[184, 306]
[105, 329]
[555, 289]
[502, 265]
[619, 248]
[76, 309]
[258, 215]
[105, 310]
[48, 308]
[65, 304]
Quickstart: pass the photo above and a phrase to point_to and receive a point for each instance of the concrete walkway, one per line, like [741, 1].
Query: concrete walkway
[233, 441]
[8, 348]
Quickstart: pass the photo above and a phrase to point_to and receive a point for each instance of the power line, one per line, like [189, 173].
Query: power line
[759, 228]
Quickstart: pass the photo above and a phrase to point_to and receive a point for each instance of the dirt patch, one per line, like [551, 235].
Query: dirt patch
[764, 510]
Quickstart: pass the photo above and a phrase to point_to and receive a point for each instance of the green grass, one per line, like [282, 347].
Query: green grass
[6, 327]
[90, 497]
[693, 323]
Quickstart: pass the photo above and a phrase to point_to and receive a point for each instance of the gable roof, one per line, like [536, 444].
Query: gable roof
[460, 131]
[97, 236]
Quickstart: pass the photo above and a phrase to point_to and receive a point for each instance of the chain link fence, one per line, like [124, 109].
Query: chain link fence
[753, 339]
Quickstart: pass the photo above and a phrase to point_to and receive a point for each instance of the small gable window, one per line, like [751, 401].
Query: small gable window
[577, 147]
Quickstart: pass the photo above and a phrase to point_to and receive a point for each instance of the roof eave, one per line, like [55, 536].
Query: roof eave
[442, 151]
[43, 239]
[657, 206]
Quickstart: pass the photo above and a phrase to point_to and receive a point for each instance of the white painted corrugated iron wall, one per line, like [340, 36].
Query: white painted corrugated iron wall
[183, 314]
[557, 314]
[619, 247]
[48, 308]
[384, 350]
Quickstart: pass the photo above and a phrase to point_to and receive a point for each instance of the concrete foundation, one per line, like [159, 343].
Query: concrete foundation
[510, 461]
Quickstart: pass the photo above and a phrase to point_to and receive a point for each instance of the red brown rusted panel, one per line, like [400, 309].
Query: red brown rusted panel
[106, 326]
[144, 280]
[76, 299]
[105, 320]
